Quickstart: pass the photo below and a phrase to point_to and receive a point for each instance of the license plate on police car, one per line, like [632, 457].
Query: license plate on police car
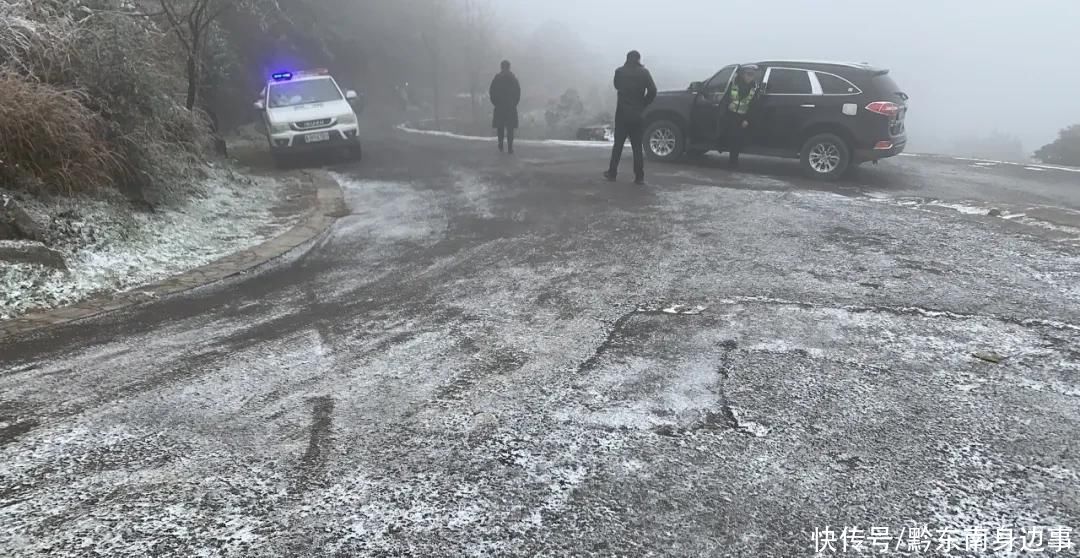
[316, 138]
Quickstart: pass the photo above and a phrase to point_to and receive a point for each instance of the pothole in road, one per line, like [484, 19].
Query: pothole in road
[715, 421]
[760, 367]
[641, 378]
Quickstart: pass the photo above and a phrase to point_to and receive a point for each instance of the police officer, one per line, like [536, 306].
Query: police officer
[637, 90]
[740, 102]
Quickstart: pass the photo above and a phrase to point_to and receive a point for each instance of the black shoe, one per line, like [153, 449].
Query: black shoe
[609, 176]
[640, 181]
[501, 148]
[511, 150]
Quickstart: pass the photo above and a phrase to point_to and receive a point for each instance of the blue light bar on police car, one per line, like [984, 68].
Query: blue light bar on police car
[282, 76]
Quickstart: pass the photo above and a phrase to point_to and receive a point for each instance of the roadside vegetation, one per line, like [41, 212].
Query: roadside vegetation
[89, 102]
[106, 175]
[1065, 150]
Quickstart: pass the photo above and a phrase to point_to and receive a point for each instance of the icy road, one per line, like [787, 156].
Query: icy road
[511, 357]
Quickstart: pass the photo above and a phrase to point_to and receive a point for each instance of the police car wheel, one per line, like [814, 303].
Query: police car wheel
[664, 141]
[826, 156]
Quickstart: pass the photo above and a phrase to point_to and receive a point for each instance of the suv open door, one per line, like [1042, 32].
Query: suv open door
[707, 110]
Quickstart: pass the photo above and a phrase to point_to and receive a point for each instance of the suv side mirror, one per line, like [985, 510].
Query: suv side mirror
[259, 105]
[350, 95]
[696, 86]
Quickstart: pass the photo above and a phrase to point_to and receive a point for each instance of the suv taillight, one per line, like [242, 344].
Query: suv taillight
[884, 108]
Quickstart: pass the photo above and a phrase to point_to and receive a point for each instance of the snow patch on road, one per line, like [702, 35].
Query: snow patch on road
[677, 309]
[393, 211]
[1032, 222]
[477, 193]
[975, 208]
[960, 208]
[1027, 166]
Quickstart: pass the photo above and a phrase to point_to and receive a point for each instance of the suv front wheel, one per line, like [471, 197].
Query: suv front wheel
[664, 141]
[826, 156]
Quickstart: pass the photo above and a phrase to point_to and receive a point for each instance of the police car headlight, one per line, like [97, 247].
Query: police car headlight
[279, 128]
[347, 119]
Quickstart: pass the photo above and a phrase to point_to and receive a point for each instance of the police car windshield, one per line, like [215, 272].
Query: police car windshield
[303, 92]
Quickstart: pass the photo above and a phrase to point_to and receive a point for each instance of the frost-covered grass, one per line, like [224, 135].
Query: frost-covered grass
[111, 248]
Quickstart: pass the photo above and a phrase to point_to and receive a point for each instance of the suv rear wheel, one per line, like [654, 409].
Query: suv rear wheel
[826, 156]
[664, 141]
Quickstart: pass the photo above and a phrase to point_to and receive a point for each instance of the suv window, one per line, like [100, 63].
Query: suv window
[720, 81]
[783, 81]
[834, 85]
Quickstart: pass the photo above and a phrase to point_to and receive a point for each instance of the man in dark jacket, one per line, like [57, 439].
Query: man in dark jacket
[637, 90]
[505, 94]
[739, 103]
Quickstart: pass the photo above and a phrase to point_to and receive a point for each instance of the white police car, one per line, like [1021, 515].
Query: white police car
[308, 111]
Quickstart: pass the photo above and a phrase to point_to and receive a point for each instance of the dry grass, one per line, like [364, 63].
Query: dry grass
[32, 47]
[117, 79]
[51, 135]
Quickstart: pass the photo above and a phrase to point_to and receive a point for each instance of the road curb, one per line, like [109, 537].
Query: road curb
[328, 207]
[411, 128]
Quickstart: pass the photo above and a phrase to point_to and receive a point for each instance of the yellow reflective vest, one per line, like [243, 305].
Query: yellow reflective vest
[740, 104]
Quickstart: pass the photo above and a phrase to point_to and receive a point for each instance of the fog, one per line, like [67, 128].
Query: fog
[972, 67]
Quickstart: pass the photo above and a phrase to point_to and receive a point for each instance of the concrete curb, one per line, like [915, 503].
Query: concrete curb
[329, 206]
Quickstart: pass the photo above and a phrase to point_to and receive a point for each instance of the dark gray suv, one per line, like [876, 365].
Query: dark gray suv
[832, 116]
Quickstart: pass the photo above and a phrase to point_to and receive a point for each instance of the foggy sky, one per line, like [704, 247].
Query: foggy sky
[970, 66]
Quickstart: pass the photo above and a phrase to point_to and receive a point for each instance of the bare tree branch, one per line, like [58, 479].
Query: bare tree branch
[127, 13]
[174, 23]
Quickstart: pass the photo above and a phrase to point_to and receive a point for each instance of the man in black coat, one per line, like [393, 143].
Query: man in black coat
[637, 90]
[505, 94]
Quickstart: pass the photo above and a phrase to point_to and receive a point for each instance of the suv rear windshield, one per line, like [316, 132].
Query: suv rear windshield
[885, 88]
[303, 92]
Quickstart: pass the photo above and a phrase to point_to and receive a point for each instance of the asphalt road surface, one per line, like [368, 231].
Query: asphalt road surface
[509, 356]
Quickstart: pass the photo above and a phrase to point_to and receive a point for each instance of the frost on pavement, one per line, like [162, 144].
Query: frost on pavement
[110, 248]
[452, 374]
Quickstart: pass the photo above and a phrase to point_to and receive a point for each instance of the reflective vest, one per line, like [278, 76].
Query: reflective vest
[740, 104]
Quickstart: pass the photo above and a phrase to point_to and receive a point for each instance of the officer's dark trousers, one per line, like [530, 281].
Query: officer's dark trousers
[735, 138]
[631, 129]
[506, 134]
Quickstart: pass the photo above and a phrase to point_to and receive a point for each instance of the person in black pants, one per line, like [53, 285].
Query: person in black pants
[637, 90]
[505, 94]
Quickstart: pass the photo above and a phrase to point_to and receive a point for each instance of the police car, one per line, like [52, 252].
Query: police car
[307, 111]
